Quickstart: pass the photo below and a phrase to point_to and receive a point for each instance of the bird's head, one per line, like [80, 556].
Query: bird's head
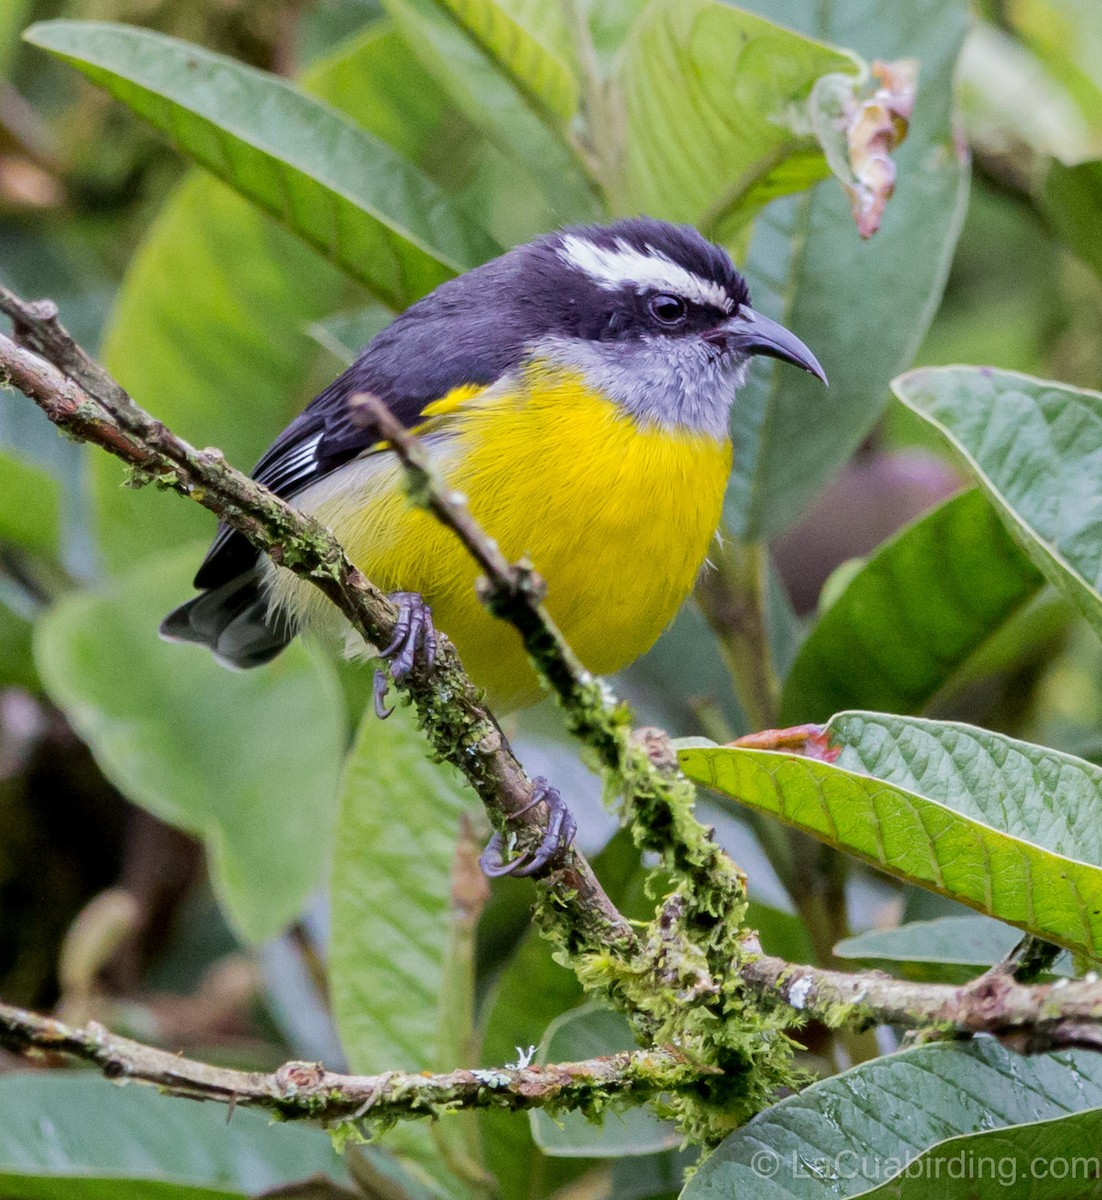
[653, 315]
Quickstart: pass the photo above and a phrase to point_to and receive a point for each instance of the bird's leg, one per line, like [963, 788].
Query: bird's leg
[556, 839]
[414, 634]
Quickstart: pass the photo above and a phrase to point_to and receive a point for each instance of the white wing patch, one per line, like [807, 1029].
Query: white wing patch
[624, 266]
[302, 456]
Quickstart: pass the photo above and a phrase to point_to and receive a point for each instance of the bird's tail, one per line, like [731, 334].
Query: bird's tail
[234, 620]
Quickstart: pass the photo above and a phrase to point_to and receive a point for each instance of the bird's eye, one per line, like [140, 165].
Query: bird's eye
[670, 310]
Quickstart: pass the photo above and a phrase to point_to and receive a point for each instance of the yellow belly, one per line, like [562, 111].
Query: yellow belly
[615, 517]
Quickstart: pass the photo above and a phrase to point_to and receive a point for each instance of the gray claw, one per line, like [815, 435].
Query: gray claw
[379, 686]
[414, 633]
[556, 840]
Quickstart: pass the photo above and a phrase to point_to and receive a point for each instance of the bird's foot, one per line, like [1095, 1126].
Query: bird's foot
[414, 636]
[554, 844]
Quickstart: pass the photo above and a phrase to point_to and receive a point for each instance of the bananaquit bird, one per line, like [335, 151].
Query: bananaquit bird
[577, 392]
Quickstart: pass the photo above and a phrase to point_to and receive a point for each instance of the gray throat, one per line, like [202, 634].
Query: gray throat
[674, 383]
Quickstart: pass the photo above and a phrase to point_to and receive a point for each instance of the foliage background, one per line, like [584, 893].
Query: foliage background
[162, 860]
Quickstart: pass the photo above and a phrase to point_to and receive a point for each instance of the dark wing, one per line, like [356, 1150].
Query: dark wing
[317, 442]
[448, 339]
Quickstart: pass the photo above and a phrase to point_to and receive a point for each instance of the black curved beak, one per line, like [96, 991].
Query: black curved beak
[752, 333]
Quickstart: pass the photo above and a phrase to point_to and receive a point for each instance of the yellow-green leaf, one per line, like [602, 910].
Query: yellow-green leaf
[1010, 829]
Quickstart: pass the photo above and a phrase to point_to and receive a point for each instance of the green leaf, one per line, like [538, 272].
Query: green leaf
[532, 990]
[863, 307]
[208, 332]
[1008, 828]
[694, 83]
[951, 949]
[70, 1136]
[474, 49]
[588, 1032]
[1072, 200]
[391, 911]
[854, 1131]
[30, 507]
[210, 326]
[912, 615]
[1036, 448]
[1067, 37]
[336, 185]
[1010, 96]
[1042, 1160]
[779, 932]
[248, 761]
[537, 72]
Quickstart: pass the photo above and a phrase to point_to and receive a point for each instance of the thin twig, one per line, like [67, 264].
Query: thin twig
[1030, 1018]
[304, 1090]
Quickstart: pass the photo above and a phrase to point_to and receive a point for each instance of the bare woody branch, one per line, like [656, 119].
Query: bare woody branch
[306, 1091]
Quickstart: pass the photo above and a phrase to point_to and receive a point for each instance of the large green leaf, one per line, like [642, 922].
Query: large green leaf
[343, 190]
[1009, 828]
[708, 94]
[208, 332]
[1009, 96]
[13, 16]
[344, 334]
[531, 992]
[913, 614]
[391, 920]
[1055, 1159]
[16, 650]
[69, 1136]
[481, 52]
[209, 329]
[1036, 448]
[249, 761]
[863, 307]
[1067, 36]
[853, 1132]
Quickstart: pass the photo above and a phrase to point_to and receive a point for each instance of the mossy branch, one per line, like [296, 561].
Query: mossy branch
[306, 1091]
[674, 979]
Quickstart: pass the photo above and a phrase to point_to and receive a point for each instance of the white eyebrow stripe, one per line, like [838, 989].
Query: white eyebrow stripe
[623, 266]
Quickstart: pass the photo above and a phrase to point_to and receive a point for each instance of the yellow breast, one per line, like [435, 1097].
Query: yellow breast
[617, 518]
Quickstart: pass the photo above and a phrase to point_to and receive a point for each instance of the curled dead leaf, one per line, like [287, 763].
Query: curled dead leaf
[860, 128]
[876, 127]
[808, 741]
